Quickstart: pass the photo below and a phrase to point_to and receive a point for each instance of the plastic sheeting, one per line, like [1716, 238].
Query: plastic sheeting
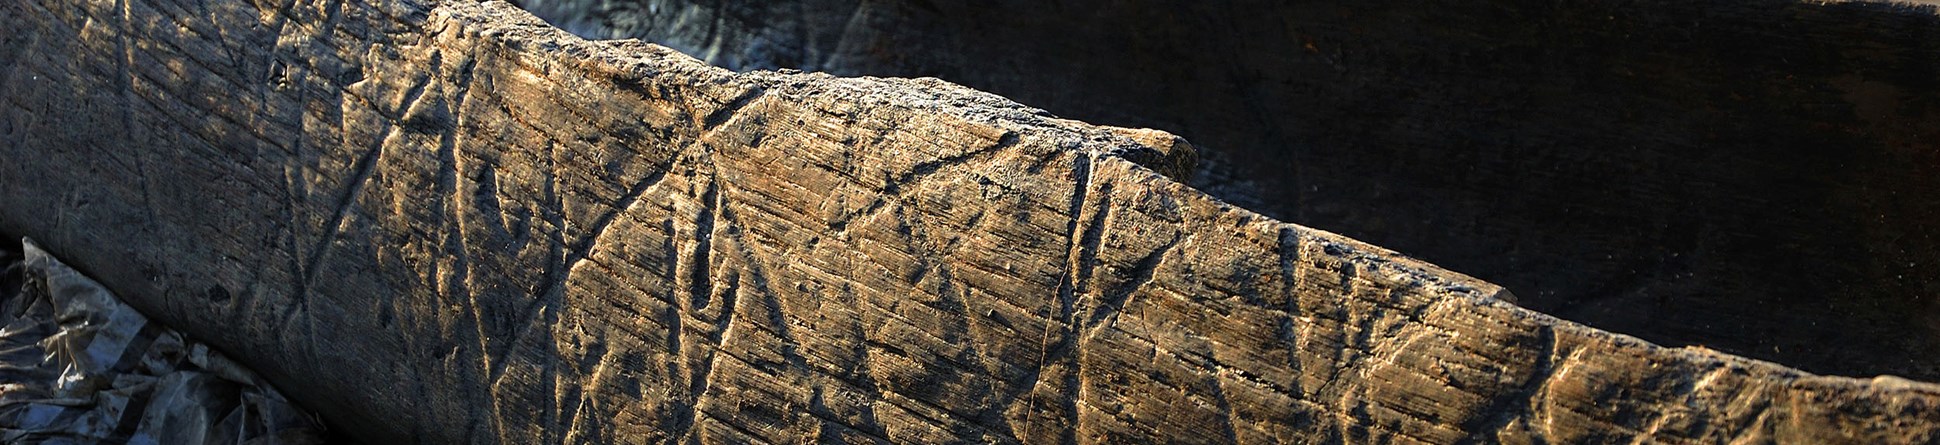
[79, 366]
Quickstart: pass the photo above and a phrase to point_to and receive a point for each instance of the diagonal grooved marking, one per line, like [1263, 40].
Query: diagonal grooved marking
[1081, 171]
[556, 280]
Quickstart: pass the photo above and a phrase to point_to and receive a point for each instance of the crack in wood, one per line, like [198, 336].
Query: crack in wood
[891, 350]
[1081, 172]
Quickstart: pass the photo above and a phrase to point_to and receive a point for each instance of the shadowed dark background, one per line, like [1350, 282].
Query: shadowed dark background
[1759, 177]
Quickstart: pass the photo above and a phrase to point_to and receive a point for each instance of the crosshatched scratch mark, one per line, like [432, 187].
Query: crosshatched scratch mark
[584, 246]
[1142, 273]
[927, 168]
[1081, 171]
[963, 319]
[733, 107]
[556, 281]
[362, 173]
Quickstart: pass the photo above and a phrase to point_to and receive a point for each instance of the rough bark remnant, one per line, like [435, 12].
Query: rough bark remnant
[454, 223]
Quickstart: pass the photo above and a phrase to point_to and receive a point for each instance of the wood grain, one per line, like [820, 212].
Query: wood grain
[454, 223]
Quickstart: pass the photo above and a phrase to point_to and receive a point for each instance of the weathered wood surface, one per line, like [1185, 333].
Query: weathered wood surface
[453, 223]
[1757, 176]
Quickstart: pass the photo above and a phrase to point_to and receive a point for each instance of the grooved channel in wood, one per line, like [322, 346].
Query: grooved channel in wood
[1756, 176]
[451, 222]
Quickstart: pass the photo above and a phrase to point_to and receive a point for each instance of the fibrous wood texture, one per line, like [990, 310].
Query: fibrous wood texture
[1755, 176]
[450, 222]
